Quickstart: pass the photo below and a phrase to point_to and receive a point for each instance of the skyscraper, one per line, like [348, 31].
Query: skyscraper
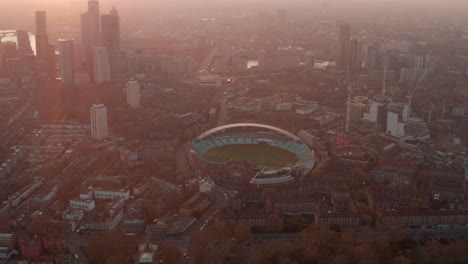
[2, 51]
[110, 37]
[101, 65]
[41, 22]
[94, 23]
[67, 61]
[373, 56]
[310, 59]
[52, 61]
[133, 94]
[28, 64]
[9, 50]
[355, 54]
[99, 128]
[42, 54]
[90, 33]
[24, 45]
[344, 36]
[110, 27]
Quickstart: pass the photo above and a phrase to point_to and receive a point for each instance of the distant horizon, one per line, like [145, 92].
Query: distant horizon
[15, 14]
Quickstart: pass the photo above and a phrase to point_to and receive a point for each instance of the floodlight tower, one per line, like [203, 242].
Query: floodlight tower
[418, 85]
[348, 104]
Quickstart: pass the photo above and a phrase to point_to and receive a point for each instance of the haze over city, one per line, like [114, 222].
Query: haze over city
[233, 131]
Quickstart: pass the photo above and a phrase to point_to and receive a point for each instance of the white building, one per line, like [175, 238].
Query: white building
[417, 128]
[310, 59]
[111, 194]
[283, 107]
[230, 64]
[395, 128]
[101, 65]
[177, 65]
[133, 94]
[83, 204]
[99, 128]
[397, 116]
[372, 115]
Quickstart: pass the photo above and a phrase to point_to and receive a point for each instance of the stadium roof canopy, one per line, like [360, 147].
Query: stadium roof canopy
[247, 125]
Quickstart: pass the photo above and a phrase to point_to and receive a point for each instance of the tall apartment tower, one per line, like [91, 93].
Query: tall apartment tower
[24, 45]
[355, 54]
[373, 56]
[344, 38]
[133, 94]
[67, 61]
[41, 22]
[43, 59]
[101, 65]
[110, 38]
[90, 33]
[42, 53]
[99, 128]
[2, 51]
[310, 59]
[110, 30]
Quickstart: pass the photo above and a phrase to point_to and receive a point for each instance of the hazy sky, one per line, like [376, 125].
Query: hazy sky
[20, 13]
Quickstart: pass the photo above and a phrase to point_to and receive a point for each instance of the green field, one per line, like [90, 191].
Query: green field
[261, 154]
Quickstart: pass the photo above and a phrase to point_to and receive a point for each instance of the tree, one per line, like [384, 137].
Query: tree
[269, 194]
[117, 259]
[415, 203]
[242, 231]
[269, 251]
[423, 177]
[311, 254]
[315, 173]
[361, 196]
[108, 244]
[401, 260]
[407, 243]
[5, 223]
[340, 259]
[382, 247]
[169, 253]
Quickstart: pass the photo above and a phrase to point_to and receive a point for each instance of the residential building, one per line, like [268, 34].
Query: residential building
[24, 45]
[41, 22]
[90, 33]
[99, 127]
[198, 203]
[42, 54]
[101, 65]
[67, 61]
[344, 38]
[110, 39]
[424, 218]
[82, 204]
[133, 94]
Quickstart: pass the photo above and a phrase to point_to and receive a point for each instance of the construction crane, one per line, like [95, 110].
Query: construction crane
[384, 86]
[348, 104]
[418, 85]
[324, 5]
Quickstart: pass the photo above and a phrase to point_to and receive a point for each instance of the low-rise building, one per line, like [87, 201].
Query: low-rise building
[74, 215]
[424, 218]
[83, 204]
[198, 203]
[102, 221]
[342, 215]
[297, 205]
[259, 221]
